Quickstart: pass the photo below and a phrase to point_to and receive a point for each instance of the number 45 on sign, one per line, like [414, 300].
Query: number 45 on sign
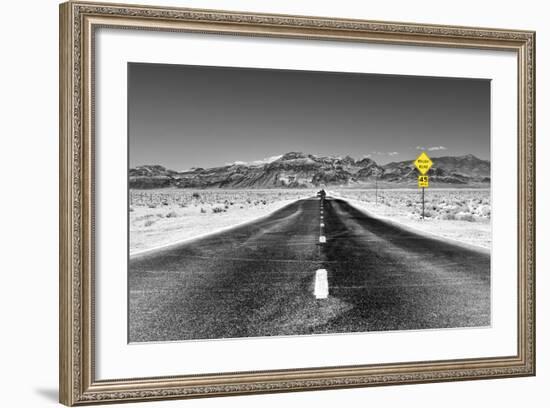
[423, 182]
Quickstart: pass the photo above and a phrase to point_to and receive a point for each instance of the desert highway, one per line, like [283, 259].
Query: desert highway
[314, 266]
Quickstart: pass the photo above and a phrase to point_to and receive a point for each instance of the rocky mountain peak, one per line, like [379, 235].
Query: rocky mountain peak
[293, 156]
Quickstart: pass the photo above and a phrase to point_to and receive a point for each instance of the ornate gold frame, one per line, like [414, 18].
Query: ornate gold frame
[78, 20]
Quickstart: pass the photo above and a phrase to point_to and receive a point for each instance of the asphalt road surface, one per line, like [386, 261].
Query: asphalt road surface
[276, 276]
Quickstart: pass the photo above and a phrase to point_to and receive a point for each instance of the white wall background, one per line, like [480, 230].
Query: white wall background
[28, 202]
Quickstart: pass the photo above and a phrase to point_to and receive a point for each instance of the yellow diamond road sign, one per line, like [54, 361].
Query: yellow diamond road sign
[423, 163]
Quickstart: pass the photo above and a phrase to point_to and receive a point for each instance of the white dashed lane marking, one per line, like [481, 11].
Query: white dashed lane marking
[321, 284]
[322, 237]
[321, 279]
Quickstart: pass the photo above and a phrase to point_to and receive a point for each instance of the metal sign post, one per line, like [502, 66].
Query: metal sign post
[423, 202]
[376, 189]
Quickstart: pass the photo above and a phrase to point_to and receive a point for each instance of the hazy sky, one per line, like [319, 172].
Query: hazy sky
[187, 116]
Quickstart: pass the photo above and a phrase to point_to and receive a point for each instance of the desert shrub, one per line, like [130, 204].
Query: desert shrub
[428, 214]
[203, 211]
[463, 216]
[172, 214]
[148, 223]
[152, 205]
[448, 216]
[196, 195]
[217, 210]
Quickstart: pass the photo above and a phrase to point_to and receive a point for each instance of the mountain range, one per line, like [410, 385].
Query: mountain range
[300, 170]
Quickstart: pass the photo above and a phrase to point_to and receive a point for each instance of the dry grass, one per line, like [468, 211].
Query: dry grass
[210, 199]
[462, 205]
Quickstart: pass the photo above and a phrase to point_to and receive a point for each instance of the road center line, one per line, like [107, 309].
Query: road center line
[321, 284]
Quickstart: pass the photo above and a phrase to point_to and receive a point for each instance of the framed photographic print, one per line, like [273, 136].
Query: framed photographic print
[262, 203]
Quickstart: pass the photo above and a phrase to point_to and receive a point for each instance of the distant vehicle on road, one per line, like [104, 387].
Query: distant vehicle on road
[321, 194]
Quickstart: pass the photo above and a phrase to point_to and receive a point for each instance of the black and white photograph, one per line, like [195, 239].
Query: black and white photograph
[267, 202]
